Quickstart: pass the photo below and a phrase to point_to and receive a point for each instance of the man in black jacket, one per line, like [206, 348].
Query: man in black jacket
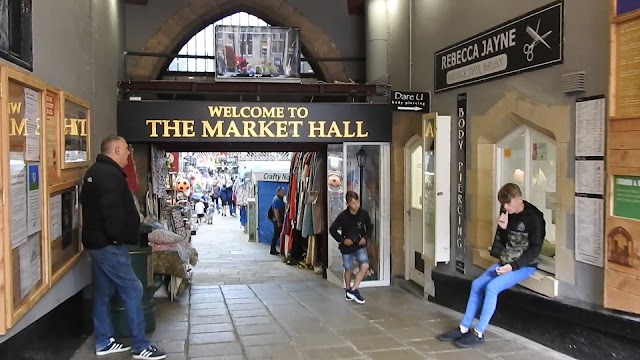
[355, 229]
[110, 221]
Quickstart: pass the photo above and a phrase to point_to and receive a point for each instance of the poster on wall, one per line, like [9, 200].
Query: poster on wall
[589, 244]
[531, 41]
[33, 199]
[590, 175]
[461, 182]
[590, 126]
[626, 197]
[18, 196]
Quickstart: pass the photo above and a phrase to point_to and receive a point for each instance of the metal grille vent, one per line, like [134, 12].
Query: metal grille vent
[573, 82]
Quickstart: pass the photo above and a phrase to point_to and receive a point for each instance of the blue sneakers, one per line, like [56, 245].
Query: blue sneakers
[150, 352]
[355, 295]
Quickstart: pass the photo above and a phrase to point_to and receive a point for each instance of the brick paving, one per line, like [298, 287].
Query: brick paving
[246, 304]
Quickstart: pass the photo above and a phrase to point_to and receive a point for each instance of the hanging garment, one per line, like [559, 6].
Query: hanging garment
[307, 220]
[159, 172]
[132, 178]
[320, 191]
[312, 255]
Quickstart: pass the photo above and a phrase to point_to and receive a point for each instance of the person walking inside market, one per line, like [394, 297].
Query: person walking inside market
[517, 243]
[353, 229]
[277, 214]
[110, 222]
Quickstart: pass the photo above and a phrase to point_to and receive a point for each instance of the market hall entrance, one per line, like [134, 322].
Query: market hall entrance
[347, 143]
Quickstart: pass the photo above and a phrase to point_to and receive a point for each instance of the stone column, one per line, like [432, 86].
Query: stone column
[377, 41]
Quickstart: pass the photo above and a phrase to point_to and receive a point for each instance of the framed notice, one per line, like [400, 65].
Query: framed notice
[74, 135]
[590, 175]
[64, 228]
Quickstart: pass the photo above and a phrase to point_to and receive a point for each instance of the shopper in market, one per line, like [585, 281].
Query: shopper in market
[276, 214]
[352, 228]
[517, 243]
[111, 221]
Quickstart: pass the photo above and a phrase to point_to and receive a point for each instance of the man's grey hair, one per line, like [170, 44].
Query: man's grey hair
[106, 146]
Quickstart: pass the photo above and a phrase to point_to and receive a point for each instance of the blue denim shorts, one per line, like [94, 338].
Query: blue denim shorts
[360, 255]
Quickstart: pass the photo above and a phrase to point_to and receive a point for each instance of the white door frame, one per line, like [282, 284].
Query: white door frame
[415, 140]
[438, 250]
[385, 214]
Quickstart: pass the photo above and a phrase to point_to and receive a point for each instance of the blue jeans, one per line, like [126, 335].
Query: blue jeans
[360, 255]
[112, 271]
[243, 215]
[487, 287]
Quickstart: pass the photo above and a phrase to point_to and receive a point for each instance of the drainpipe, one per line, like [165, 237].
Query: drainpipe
[93, 68]
[377, 41]
[410, 44]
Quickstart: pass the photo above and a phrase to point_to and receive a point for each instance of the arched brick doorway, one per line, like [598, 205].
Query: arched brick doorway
[187, 21]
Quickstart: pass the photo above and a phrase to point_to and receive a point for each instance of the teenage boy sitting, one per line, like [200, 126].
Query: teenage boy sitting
[517, 243]
[355, 229]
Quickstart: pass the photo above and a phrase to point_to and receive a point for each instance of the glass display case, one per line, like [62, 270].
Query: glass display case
[23, 172]
[75, 144]
[362, 168]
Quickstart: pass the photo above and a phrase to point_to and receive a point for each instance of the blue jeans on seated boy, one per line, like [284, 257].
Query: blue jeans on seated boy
[487, 287]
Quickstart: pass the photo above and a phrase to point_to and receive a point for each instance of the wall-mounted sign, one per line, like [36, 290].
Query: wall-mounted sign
[530, 41]
[195, 121]
[411, 101]
[461, 183]
[626, 6]
[626, 197]
[271, 176]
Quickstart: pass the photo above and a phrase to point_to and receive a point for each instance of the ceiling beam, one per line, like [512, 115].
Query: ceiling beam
[355, 7]
[137, 2]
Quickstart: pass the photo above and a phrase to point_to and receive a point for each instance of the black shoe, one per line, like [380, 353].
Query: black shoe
[453, 335]
[346, 295]
[274, 252]
[113, 347]
[471, 339]
[150, 352]
[355, 295]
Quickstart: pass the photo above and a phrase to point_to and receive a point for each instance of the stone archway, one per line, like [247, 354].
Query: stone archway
[193, 16]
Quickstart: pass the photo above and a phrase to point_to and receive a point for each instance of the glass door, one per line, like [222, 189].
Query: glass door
[363, 168]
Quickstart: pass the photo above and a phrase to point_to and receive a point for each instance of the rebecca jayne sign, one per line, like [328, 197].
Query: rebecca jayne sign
[196, 121]
[530, 41]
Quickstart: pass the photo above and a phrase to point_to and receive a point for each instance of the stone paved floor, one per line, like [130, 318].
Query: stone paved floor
[246, 304]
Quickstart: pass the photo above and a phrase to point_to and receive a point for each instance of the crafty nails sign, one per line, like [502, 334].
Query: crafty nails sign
[193, 121]
[533, 40]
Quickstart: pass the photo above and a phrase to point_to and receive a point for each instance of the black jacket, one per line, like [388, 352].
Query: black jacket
[109, 214]
[521, 242]
[351, 227]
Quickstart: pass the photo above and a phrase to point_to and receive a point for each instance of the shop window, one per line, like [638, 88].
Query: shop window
[528, 158]
[15, 32]
[201, 47]
[277, 43]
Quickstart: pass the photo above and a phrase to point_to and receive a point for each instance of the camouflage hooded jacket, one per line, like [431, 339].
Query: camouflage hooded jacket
[521, 242]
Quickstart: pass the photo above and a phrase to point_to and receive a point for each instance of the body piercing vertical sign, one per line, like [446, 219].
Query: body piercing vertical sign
[461, 182]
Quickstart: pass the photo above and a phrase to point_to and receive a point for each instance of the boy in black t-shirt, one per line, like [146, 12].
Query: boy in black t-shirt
[356, 229]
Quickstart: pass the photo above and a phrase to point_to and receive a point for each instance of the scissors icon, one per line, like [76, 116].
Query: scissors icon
[528, 48]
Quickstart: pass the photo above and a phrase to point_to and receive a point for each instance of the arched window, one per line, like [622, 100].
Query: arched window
[202, 44]
[528, 158]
